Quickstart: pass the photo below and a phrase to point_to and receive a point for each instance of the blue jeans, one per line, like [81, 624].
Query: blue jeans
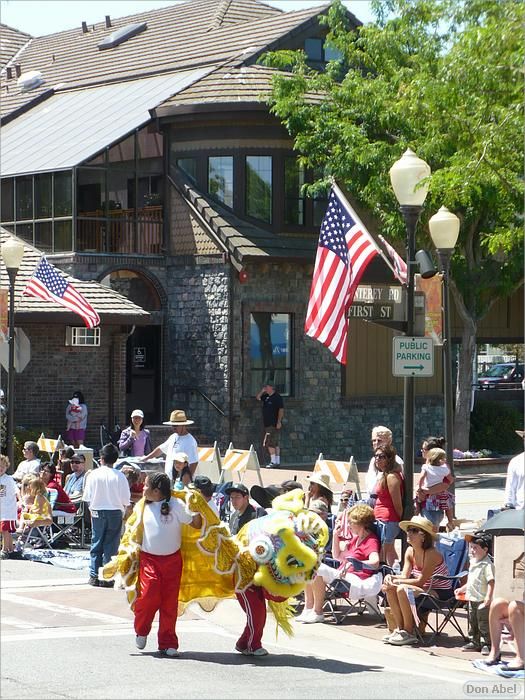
[106, 526]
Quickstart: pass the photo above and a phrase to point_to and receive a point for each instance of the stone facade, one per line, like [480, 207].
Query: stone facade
[317, 417]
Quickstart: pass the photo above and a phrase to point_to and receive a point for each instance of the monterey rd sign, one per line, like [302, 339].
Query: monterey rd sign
[412, 357]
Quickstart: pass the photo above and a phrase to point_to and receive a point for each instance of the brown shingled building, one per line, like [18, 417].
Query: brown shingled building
[139, 153]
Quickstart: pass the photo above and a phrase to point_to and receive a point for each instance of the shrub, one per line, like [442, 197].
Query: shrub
[493, 425]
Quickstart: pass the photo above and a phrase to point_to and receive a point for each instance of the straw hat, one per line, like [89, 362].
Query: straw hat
[322, 480]
[178, 418]
[420, 522]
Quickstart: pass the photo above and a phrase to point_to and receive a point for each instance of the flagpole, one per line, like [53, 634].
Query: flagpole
[358, 221]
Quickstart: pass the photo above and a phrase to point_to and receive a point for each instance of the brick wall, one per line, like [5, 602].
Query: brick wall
[55, 371]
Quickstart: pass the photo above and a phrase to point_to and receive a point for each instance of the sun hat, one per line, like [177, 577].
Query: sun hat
[181, 457]
[178, 417]
[322, 480]
[264, 495]
[137, 412]
[420, 522]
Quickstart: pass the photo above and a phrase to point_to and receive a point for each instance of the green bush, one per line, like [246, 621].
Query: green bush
[25, 435]
[493, 426]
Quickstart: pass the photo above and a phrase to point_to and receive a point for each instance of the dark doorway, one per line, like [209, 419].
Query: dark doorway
[143, 372]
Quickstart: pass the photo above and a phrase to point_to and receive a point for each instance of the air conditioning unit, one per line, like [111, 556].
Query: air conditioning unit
[30, 80]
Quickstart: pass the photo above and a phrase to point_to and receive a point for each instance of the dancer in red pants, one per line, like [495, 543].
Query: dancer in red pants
[160, 563]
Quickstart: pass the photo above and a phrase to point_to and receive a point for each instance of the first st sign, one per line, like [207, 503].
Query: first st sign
[412, 357]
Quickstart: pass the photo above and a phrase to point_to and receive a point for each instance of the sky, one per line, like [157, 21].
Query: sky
[40, 17]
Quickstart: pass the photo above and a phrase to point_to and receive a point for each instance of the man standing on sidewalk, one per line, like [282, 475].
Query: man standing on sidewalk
[107, 493]
[273, 412]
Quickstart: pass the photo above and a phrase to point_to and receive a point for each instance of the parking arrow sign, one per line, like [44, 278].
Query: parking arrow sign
[412, 357]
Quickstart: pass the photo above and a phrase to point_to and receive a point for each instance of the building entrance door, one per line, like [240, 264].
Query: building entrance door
[143, 372]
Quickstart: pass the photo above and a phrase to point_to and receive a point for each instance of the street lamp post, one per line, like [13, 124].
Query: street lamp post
[407, 175]
[444, 231]
[12, 253]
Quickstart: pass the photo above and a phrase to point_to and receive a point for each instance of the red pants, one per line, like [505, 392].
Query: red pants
[159, 578]
[253, 602]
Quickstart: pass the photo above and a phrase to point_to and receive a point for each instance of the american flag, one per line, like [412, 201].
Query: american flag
[48, 283]
[345, 248]
[400, 266]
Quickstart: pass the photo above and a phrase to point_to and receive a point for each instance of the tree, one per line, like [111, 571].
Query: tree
[445, 78]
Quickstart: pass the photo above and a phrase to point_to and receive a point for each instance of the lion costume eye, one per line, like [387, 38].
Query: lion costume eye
[262, 550]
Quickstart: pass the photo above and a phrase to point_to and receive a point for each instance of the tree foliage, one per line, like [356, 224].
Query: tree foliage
[445, 78]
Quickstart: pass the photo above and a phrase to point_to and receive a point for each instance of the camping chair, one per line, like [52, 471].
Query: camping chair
[455, 554]
[68, 527]
[339, 602]
[33, 537]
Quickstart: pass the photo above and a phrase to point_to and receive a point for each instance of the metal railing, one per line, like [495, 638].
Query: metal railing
[120, 231]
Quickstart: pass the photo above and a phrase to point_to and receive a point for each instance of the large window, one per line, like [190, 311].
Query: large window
[220, 178]
[293, 199]
[259, 187]
[271, 351]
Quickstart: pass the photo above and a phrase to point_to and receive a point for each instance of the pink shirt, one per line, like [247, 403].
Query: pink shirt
[361, 552]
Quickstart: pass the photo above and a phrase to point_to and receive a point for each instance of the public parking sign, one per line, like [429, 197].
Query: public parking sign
[412, 357]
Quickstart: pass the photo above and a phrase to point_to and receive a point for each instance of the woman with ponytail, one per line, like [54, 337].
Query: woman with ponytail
[160, 563]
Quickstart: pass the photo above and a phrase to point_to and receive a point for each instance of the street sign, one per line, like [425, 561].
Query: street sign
[412, 357]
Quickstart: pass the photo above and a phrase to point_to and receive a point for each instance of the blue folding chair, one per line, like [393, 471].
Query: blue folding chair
[455, 554]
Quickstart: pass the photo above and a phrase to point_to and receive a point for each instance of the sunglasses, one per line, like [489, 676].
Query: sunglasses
[379, 456]
[411, 530]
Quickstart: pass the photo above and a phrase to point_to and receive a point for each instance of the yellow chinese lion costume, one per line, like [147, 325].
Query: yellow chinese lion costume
[279, 552]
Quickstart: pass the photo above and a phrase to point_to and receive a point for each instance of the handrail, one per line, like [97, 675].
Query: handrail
[204, 396]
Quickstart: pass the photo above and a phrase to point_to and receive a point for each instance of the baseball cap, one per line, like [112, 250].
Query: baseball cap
[241, 488]
[204, 484]
[181, 457]
[137, 412]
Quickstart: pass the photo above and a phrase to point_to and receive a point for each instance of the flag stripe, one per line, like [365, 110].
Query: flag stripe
[345, 248]
[48, 284]
[400, 266]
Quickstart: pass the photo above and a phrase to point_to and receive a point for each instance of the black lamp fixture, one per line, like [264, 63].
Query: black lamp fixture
[409, 177]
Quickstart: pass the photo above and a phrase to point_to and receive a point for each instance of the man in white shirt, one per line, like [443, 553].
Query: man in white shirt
[381, 437]
[180, 441]
[31, 463]
[514, 485]
[107, 493]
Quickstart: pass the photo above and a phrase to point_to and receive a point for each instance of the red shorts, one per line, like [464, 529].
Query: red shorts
[7, 525]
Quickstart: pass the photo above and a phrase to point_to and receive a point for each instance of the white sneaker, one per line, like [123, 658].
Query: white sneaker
[388, 636]
[140, 641]
[307, 612]
[261, 651]
[402, 638]
[313, 618]
[173, 653]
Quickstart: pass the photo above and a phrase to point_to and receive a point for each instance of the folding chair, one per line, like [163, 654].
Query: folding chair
[339, 601]
[69, 527]
[34, 537]
[455, 554]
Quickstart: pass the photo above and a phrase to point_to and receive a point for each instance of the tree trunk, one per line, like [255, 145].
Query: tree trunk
[466, 355]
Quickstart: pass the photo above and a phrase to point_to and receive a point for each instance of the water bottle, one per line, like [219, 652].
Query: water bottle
[396, 568]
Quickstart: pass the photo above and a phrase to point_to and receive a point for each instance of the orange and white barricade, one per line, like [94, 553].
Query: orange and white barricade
[209, 463]
[50, 445]
[236, 462]
[340, 473]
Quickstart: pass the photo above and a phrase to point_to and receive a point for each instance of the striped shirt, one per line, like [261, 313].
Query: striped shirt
[440, 570]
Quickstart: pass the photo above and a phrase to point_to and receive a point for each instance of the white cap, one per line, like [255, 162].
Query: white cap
[181, 457]
[137, 412]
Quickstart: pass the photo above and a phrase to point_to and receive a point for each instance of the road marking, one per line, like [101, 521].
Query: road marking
[21, 624]
[61, 609]
[44, 583]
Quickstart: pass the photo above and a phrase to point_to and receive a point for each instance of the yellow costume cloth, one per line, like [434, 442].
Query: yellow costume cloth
[279, 552]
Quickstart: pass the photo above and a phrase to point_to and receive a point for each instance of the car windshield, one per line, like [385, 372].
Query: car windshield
[498, 371]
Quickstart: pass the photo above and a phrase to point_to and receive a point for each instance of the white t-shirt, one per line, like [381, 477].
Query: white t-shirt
[8, 498]
[162, 534]
[106, 489]
[373, 474]
[515, 481]
[434, 474]
[27, 466]
[179, 443]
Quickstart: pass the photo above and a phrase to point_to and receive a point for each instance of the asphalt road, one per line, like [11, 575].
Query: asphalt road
[64, 639]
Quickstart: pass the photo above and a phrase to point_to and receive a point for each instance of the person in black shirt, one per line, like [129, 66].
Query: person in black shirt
[244, 511]
[272, 412]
